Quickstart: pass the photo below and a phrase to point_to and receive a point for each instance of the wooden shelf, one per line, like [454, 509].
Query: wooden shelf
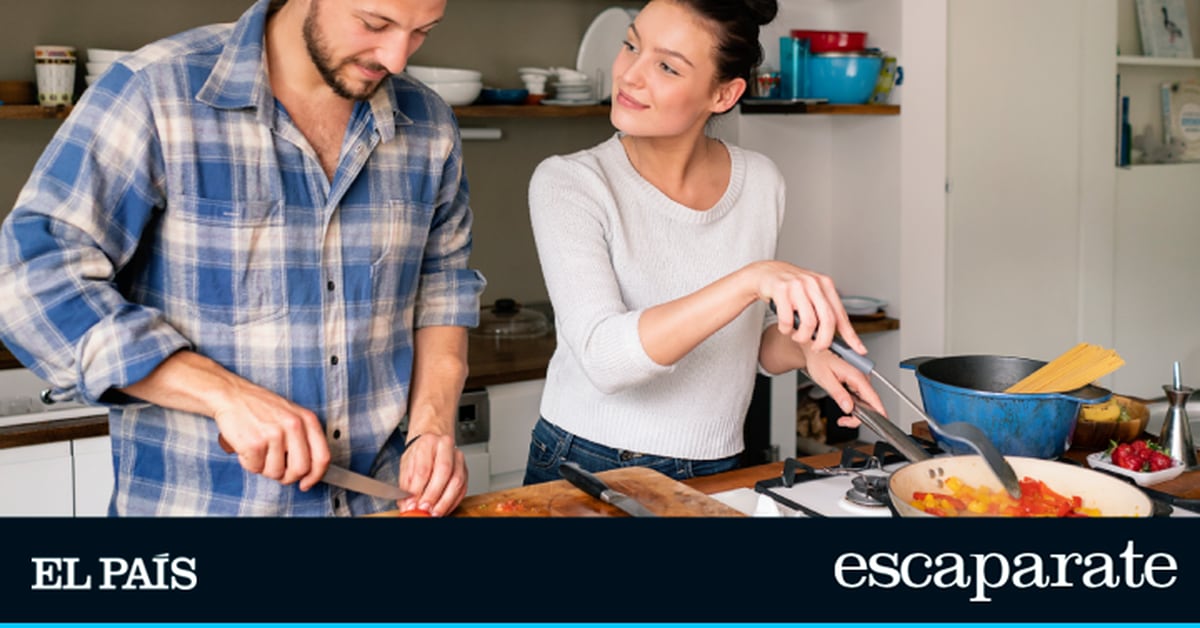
[775, 107]
[33, 112]
[873, 325]
[530, 111]
[1160, 62]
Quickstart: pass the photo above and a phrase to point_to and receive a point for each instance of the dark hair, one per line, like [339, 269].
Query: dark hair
[738, 50]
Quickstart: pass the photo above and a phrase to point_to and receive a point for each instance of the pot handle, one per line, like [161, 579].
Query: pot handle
[912, 363]
[1087, 394]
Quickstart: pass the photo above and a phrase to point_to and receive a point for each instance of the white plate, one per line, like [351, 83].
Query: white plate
[862, 306]
[600, 45]
[1101, 460]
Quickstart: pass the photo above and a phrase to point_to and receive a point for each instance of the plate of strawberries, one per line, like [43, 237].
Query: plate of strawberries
[1142, 460]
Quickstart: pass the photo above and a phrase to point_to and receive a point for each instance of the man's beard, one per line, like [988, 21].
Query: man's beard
[324, 62]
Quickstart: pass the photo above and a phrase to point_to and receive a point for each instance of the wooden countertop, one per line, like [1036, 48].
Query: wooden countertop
[531, 500]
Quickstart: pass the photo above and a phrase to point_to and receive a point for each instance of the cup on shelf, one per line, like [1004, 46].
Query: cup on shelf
[55, 66]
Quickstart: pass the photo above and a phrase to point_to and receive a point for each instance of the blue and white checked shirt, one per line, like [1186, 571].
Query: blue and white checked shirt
[179, 207]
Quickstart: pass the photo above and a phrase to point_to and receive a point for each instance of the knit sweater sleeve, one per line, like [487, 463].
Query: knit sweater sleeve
[571, 209]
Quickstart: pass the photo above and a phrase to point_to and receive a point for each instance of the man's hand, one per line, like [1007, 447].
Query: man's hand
[435, 472]
[271, 435]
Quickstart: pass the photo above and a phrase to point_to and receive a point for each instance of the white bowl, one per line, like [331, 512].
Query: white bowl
[427, 74]
[104, 55]
[457, 93]
[96, 68]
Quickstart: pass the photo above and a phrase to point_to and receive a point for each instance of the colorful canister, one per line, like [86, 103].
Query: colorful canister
[55, 67]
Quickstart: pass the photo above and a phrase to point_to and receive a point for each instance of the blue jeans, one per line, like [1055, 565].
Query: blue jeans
[551, 445]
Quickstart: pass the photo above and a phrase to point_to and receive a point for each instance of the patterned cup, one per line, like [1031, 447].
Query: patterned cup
[55, 74]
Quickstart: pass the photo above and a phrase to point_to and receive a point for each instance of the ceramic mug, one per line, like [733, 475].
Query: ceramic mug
[55, 74]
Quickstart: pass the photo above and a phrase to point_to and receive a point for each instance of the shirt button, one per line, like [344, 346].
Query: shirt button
[337, 434]
[333, 360]
[329, 286]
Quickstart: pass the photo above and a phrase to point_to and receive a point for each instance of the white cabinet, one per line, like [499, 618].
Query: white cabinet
[514, 410]
[35, 480]
[93, 475]
[61, 479]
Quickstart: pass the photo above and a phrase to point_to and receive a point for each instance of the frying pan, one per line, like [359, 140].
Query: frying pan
[1113, 497]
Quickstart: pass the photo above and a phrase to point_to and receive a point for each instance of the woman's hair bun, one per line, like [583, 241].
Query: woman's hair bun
[763, 11]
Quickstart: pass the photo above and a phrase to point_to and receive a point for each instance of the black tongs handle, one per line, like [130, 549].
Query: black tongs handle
[839, 346]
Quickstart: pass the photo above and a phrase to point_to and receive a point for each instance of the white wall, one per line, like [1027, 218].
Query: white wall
[1013, 262]
[1049, 243]
[1157, 304]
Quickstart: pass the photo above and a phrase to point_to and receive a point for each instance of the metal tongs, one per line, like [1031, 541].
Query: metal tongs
[958, 432]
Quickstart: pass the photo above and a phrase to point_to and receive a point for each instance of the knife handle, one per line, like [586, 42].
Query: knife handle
[582, 479]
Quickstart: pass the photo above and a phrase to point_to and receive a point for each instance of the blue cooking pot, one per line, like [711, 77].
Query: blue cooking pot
[971, 388]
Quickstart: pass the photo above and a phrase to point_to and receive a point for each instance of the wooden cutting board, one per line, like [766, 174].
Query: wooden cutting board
[660, 494]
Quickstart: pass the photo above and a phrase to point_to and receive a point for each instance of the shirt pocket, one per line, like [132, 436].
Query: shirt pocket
[229, 258]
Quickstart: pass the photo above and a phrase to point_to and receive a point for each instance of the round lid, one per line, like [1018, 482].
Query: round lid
[507, 319]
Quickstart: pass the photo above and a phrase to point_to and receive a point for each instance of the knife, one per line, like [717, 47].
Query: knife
[594, 486]
[359, 483]
[345, 478]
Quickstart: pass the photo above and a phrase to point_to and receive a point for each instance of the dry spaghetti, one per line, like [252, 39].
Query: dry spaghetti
[1082, 365]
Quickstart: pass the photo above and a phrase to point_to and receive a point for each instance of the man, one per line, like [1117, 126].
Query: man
[256, 231]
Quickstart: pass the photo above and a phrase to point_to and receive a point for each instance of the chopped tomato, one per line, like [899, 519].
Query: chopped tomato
[415, 512]
[1037, 500]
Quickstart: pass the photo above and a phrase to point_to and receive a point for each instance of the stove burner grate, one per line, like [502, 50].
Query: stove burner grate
[869, 490]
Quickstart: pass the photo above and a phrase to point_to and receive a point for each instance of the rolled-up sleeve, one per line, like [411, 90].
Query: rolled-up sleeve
[77, 222]
[570, 226]
[449, 291]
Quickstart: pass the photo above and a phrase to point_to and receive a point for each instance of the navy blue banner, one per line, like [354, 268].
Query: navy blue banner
[599, 570]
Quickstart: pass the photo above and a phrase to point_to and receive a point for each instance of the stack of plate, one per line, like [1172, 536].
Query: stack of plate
[572, 87]
[98, 60]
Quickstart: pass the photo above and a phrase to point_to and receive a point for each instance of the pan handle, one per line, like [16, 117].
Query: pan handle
[912, 363]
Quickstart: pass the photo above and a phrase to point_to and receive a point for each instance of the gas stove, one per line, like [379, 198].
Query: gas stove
[856, 487]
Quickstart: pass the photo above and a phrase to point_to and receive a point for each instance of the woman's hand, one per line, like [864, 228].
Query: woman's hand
[836, 376]
[814, 299]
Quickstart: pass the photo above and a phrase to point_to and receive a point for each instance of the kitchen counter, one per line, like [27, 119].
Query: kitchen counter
[537, 500]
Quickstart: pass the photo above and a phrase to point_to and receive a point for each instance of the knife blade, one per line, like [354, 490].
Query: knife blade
[594, 486]
[359, 483]
[345, 478]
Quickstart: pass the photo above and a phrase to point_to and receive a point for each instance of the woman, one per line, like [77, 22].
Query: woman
[657, 247]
